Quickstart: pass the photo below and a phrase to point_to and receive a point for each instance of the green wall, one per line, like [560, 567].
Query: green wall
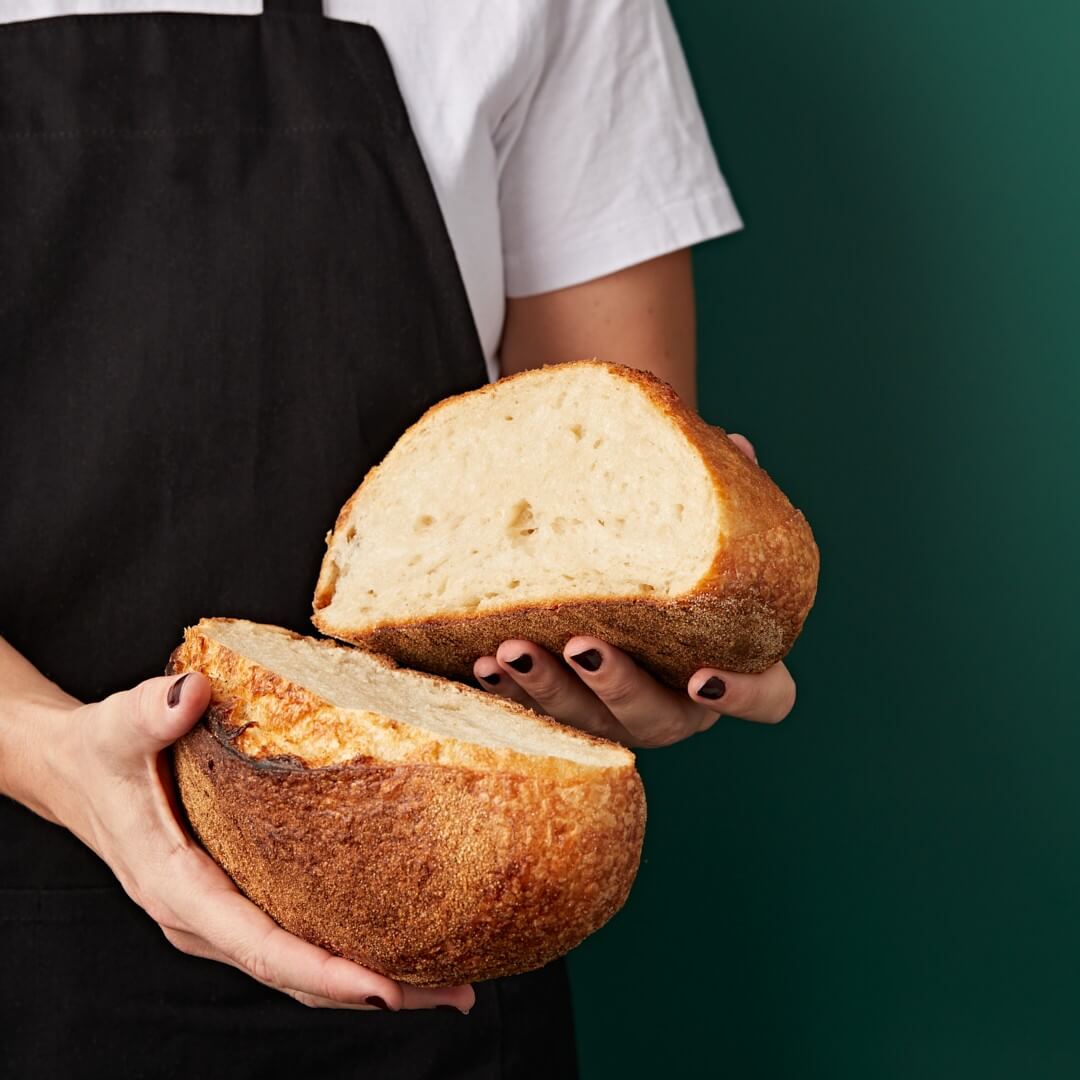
[887, 884]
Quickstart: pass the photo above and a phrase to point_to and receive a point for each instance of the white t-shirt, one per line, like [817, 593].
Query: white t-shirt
[563, 137]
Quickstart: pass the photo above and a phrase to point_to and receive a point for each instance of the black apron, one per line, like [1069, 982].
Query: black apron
[225, 289]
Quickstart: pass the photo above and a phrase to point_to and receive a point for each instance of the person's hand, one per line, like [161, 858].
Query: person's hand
[112, 787]
[601, 690]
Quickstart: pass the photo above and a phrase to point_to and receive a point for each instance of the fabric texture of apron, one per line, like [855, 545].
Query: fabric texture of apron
[225, 289]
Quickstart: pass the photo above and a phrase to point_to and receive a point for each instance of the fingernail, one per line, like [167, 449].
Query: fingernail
[523, 663]
[590, 659]
[712, 689]
[377, 1002]
[492, 680]
[173, 697]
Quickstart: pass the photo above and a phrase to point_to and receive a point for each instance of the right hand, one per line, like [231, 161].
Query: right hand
[114, 791]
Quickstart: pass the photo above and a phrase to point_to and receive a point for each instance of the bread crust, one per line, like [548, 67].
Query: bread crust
[431, 873]
[743, 615]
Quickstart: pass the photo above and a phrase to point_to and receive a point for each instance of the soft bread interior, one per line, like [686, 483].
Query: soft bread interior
[374, 697]
[567, 482]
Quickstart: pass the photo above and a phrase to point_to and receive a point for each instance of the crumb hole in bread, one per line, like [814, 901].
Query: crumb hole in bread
[521, 515]
[508, 418]
[423, 522]
[414, 560]
[577, 431]
[513, 584]
[598, 443]
[522, 523]
[679, 508]
[645, 587]
[350, 536]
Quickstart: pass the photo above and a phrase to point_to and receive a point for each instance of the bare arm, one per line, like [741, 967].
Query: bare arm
[32, 711]
[642, 316]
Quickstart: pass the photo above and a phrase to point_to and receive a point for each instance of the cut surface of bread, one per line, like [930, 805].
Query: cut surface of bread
[416, 826]
[547, 486]
[378, 709]
[577, 498]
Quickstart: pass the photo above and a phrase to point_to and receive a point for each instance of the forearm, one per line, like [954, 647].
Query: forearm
[642, 316]
[32, 713]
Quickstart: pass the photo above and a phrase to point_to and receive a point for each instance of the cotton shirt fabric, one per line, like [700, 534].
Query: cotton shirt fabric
[563, 137]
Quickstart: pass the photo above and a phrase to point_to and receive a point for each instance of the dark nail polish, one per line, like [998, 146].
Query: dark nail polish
[173, 697]
[377, 1002]
[712, 689]
[590, 659]
[492, 680]
[523, 663]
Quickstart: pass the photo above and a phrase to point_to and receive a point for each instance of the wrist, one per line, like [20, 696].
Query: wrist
[36, 749]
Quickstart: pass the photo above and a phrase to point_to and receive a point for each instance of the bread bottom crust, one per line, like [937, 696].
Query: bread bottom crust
[727, 623]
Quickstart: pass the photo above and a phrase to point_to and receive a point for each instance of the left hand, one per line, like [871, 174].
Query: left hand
[601, 690]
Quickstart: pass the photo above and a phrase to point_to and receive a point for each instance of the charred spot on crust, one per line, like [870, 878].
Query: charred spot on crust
[278, 763]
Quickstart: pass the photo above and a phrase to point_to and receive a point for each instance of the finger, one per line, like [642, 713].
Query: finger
[412, 997]
[654, 715]
[153, 715]
[492, 678]
[556, 690]
[207, 905]
[127, 734]
[745, 445]
[462, 998]
[313, 1001]
[193, 945]
[765, 699]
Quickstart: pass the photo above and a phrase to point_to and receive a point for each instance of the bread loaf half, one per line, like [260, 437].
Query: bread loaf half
[582, 498]
[429, 831]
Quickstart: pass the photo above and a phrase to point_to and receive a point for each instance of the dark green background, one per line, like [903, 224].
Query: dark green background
[888, 884]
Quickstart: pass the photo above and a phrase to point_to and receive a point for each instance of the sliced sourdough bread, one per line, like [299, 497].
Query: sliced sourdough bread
[427, 830]
[581, 498]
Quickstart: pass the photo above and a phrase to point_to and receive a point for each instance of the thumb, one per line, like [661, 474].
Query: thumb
[154, 714]
[745, 445]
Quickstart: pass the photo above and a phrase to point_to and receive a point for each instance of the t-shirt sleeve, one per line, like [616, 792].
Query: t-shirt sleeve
[604, 159]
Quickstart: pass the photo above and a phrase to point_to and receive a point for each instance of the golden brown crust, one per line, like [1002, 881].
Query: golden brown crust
[433, 874]
[744, 615]
[272, 701]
